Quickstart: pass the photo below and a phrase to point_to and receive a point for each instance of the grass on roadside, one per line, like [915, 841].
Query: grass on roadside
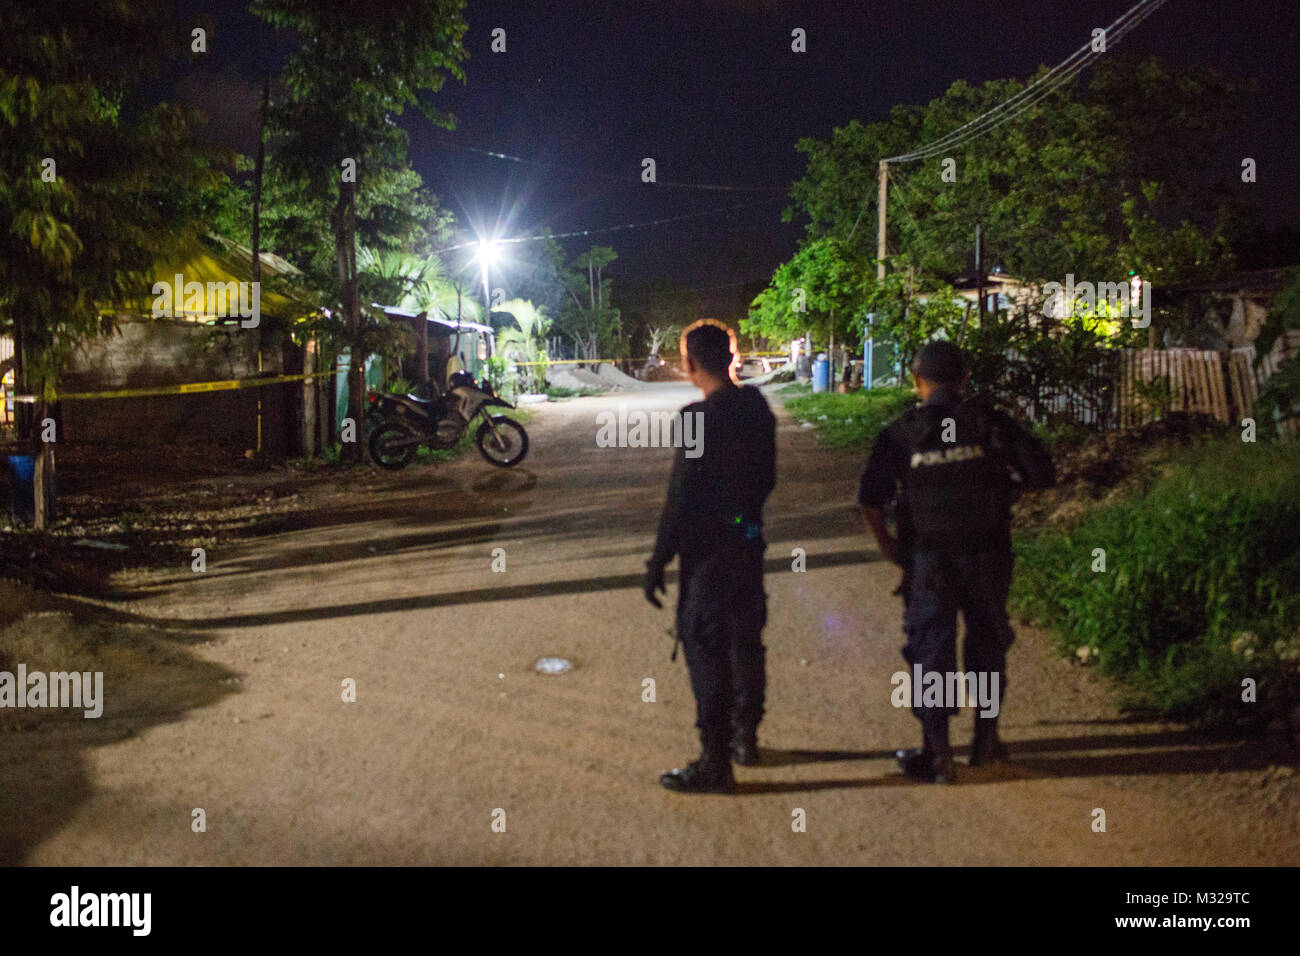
[854, 419]
[555, 392]
[1199, 587]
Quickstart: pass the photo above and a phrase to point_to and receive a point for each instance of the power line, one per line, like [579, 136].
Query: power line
[618, 177]
[1038, 89]
[1031, 95]
[626, 225]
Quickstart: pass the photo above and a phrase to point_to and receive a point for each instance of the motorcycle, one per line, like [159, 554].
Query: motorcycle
[402, 423]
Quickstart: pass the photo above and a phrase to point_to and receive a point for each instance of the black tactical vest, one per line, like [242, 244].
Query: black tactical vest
[956, 481]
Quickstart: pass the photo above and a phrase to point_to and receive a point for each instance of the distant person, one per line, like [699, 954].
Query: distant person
[953, 466]
[713, 519]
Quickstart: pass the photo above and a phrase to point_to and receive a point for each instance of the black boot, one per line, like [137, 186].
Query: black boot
[985, 747]
[909, 755]
[744, 747]
[710, 774]
[932, 763]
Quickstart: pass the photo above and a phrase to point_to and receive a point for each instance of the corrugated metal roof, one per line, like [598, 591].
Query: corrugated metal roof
[446, 320]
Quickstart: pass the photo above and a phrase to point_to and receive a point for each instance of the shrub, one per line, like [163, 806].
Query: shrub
[1206, 556]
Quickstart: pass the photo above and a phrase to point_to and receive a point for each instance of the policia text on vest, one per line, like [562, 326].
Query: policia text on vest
[951, 468]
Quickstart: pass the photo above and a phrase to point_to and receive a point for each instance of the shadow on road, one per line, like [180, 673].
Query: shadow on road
[150, 677]
[611, 582]
[1141, 754]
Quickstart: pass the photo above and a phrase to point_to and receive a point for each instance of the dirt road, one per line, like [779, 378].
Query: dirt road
[395, 591]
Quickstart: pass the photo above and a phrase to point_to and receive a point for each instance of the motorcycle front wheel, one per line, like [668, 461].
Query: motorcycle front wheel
[506, 445]
[392, 447]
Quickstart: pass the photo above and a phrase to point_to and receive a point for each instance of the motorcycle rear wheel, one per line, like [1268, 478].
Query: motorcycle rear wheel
[383, 452]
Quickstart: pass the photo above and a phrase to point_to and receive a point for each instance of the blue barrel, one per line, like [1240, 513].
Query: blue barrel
[821, 373]
[22, 488]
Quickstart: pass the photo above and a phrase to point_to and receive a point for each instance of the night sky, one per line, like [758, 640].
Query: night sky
[711, 90]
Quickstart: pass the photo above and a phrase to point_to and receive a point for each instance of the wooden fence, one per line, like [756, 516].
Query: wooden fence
[1226, 385]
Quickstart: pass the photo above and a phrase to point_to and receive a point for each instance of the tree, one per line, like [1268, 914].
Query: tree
[412, 283]
[588, 319]
[1049, 187]
[537, 274]
[335, 126]
[822, 285]
[654, 316]
[94, 194]
[1077, 185]
[527, 343]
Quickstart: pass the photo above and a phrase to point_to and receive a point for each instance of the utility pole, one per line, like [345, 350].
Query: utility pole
[257, 180]
[979, 272]
[257, 228]
[880, 220]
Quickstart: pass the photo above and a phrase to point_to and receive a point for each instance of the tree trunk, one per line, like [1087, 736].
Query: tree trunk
[347, 262]
[257, 181]
[831, 350]
[309, 391]
[43, 479]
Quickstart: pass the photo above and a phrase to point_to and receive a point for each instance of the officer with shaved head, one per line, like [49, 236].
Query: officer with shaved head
[953, 466]
[713, 520]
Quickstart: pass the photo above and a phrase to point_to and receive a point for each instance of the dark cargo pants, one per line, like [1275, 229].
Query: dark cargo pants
[721, 611]
[941, 585]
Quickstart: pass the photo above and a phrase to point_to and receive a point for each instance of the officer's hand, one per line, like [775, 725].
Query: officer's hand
[654, 581]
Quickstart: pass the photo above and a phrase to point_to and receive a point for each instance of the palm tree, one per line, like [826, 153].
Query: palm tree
[419, 285]
[525, 344]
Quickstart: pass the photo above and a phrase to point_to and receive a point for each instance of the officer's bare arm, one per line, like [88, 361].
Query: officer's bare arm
[875, 519]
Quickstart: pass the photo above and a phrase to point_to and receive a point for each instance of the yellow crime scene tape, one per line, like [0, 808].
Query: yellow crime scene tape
[186, 389]
[191, 388]
[614, 361]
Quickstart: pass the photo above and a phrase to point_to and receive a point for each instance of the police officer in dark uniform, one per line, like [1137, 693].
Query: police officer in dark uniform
[713, 519]
[955, 466]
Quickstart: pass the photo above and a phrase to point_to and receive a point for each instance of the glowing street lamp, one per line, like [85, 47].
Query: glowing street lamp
[487, 257]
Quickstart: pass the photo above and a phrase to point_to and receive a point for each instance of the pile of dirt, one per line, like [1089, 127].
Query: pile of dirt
[571, 377]
[1110, 465]
[616, 380]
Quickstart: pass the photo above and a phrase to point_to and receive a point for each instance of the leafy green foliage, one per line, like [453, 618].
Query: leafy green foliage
[1284, 314]
[821, 281]
[1206, 555]
[1075, 185]
[1279, 398]
[84, 235]
[336, 147]
[556, 392]
[588, 319]
[524, 344]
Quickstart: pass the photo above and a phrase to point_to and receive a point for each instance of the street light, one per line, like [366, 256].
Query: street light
[487, 257]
